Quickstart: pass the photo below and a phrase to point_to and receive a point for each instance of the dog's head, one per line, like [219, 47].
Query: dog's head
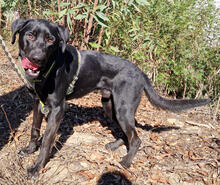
[38, 42]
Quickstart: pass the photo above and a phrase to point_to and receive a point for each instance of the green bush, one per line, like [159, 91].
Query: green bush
[176, 42]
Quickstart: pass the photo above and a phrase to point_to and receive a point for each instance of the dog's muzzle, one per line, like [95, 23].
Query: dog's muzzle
[31, 69]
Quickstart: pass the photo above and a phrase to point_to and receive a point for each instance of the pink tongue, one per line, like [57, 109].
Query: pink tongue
[28, 65]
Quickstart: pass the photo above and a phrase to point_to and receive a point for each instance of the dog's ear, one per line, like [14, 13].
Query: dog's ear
[16, 26]
[64, 36]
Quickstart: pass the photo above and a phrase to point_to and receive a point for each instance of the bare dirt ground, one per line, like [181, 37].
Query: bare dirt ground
[176, 149]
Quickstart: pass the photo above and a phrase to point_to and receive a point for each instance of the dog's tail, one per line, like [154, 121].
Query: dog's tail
[172, 105]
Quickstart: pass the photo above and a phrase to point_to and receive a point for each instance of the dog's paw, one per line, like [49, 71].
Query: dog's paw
[125, 163]
[111, 146]
[33, 171]
[24, 152]
[27, 150]
[114, 145]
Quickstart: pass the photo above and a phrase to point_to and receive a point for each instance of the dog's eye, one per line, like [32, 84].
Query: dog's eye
[49, 40]
[31, 36]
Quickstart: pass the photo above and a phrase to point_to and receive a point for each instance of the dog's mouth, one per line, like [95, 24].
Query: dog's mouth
[30, 68]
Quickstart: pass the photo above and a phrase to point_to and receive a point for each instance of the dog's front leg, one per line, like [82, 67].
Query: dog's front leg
[35, 130]
[54, 119]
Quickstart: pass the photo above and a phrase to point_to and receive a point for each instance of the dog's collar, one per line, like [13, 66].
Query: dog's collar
[44, 108]
[75, 78]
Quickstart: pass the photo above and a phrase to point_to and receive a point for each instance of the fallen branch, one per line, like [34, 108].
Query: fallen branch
[12, 132]
[199, 124]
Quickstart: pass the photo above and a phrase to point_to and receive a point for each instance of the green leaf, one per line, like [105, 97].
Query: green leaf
[2, 3]
[99, 21]
[62, 13]
[72, 11]
[64, 4]
[48, 12]
[102, 16]
[69, 22]
[143, 2]
[115, 49]
[137, 9]
[94, 45]
[81, 5]
[130, 2]
[100, 7]
[80, 16]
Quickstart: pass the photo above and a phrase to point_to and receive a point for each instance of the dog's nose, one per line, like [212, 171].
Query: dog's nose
[36, 58]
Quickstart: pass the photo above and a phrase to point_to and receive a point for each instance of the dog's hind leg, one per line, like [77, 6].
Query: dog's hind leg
[107, 103]
[126, 100]
[127, 123]
[35, 131]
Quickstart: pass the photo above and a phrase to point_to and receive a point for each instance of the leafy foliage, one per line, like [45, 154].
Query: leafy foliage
[173, 40]
[176, 42]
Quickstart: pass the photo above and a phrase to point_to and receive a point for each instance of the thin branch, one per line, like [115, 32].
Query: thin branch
[90, 24]
[102, 28]
[30, 8]
[9, 124]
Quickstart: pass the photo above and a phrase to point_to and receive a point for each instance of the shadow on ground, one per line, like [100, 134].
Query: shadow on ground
[17, 105]
[14, 108]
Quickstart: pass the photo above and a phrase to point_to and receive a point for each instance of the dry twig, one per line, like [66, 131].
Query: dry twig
[9, 124]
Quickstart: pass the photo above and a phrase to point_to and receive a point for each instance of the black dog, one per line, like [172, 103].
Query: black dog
[43, 48]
